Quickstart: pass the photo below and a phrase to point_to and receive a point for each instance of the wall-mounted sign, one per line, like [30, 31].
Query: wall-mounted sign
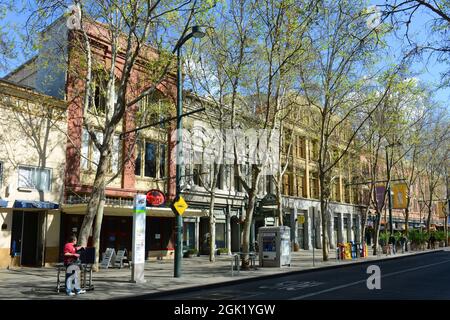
[155, 198]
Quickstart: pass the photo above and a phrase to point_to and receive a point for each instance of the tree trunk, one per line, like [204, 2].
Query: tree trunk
[446, 230]
[363, 226]
[97, 194]
[429, 218]
[212, 229]
[97, 230]
[325, 240]
[324, 215]
[247, 230]
[376, 233]
[280, 209]
[406, 217]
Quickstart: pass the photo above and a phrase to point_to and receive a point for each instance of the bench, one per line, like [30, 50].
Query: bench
[236, 261]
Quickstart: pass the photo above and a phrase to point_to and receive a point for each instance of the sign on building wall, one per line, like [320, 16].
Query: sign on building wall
[399, 191]
[155, 198]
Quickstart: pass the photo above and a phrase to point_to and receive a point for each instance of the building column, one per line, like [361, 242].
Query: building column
[294, 228]
[308, 193]
[307, 229]
[318, 223]
[358, 228]
[331, 230]
[340, 232]
[228, 229]
[350, 236]
[197, 234]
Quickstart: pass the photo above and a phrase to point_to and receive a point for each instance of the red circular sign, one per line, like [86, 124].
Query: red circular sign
[155, 198]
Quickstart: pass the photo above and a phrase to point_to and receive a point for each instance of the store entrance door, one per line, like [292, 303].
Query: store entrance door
[28, 236]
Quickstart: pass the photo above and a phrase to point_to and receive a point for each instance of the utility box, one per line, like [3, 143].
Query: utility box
[274, 246]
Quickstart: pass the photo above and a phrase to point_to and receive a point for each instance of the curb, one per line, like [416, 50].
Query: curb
[157, 295]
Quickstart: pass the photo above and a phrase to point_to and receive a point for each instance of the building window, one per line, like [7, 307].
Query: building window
[90, 155]
[288, 184]
[196, 175]
[314, 151]
[220, 235]
[151, 159]
[34, 178]
[336, 191]
[300, 148]
[356, 197]
[347, 192]
[314, 186]
[301, 191]
[189, 235]
[152, 109]
[99, 102]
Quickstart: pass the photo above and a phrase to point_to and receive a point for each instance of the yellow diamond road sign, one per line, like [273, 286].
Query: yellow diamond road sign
[180, 205]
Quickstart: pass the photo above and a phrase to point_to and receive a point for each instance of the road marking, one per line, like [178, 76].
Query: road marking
[364, 280]
[292, 285]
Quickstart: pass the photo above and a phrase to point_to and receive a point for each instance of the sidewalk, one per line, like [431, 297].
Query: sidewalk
[40, 283]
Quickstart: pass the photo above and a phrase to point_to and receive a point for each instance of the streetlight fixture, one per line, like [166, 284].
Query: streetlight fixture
[195, 33]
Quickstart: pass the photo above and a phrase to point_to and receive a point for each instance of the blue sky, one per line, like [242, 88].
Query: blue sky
[428, 70]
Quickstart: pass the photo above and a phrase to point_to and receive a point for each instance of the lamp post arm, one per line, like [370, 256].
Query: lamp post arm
[181, 42]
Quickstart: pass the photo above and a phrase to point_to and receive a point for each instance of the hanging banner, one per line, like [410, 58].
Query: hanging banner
[440, 209]
[399, 191]
[380, 191]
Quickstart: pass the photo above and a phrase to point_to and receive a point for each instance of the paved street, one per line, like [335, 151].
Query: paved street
[40, 283]
[413, 277]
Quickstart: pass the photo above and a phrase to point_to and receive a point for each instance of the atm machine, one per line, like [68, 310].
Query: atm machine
[274, 246]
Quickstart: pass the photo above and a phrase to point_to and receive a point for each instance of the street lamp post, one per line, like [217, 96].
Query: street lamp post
[196, 33]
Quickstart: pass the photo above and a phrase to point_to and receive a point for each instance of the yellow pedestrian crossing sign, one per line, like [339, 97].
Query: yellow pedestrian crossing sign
[179, 206]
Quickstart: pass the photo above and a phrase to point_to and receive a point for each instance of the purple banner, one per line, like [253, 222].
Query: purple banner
[380, 191]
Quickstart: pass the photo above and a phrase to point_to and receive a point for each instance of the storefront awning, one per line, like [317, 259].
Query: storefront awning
[29, 204]
[3, 203]
[128, 211]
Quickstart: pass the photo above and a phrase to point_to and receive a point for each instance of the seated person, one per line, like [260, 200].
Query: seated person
[70, 258]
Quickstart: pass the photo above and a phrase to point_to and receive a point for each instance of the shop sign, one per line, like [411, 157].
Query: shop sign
[155, 198]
